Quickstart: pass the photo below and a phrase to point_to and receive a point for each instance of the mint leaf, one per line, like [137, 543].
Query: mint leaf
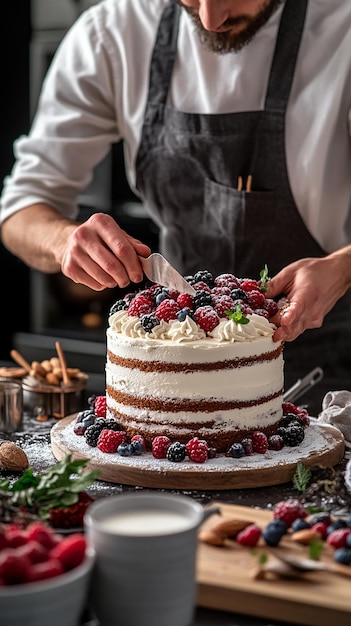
[237, 315]
[302, 477]
[58, 486]
[264, 278]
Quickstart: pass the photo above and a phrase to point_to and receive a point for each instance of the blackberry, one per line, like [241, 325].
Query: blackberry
[206, 277]
[92, 432]
[290, 418]
[149, 322]
[239, 294]
[119, 305]
[293, 435]
[91, 401]
[202, 298]
[190, 279]
[111, 424]
[176, 452]
[81, 415]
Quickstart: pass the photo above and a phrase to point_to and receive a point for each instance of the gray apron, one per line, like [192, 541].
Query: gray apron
[187, 170]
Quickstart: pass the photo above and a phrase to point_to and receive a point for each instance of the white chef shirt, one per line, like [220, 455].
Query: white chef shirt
[95, 94]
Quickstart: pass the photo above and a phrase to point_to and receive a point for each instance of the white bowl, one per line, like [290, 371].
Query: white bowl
[56, 601]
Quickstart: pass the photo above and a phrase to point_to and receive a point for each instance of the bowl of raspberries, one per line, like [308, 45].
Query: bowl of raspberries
[44, 576]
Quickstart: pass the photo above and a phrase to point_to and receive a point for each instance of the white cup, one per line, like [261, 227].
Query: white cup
[145, 568]
[11, 406]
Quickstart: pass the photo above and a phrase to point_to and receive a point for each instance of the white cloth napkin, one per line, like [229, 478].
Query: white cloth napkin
[336, 410]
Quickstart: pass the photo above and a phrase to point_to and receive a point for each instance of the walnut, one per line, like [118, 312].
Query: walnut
[12, 457]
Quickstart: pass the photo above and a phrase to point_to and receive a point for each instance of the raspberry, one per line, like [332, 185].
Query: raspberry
[259, 442]
[288, 511]
[34, 551]
[197, 450]
[337, 539]
[270, 306]
[109, 440]
[70, 551]
[262, 313]
[201, 286]
[250, 536]
[227, 280]
[14, 569]
[37, 531]
[71, 516]
[220, 291]
[255, 298]
[160, 446]
[207, 318]
[139, 306]
[223, 304]
[167, 310]
[100, 406]
[185, 301]
[247, 284]
[320, 528]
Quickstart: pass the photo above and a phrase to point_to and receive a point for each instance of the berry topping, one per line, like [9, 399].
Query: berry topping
[167, 310]
[249, 536]
[109, 440]
[176, 452]
[288, 511]
[160, 446]
[100, 406]
[259, 442]
[207, 318]
[139, 306]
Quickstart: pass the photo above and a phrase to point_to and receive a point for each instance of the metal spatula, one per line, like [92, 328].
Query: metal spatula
[160, 271]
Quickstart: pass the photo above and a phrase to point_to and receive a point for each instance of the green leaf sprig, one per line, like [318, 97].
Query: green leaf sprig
[237, 315]
[58, 486]
[302, 477]
[264, 278]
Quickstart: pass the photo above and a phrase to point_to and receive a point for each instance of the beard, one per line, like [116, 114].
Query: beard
[229, 41]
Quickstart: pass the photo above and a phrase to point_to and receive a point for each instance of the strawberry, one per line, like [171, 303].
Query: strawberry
[14, 568]
[15, 536]
[70, 551]
[250, 536]
[34, 551]
[288, 511]
[47, 569]
[37, 531]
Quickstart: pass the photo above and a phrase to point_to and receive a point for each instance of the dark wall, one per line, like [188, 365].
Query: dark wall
[14, 121]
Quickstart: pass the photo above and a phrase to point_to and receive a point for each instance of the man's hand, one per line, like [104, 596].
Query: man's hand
[312, 287]
[99, 254]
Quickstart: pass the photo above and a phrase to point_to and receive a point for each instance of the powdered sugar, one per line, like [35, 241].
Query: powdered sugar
[322, 443]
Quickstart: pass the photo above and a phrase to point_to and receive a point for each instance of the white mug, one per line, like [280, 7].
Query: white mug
[145, 568]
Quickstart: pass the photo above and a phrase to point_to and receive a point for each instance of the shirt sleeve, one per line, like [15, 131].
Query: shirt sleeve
[73, 127]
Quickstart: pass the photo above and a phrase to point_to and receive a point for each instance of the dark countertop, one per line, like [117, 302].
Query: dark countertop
[34, 438]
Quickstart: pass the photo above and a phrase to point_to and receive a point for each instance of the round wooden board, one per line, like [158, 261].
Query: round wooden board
[323, 444]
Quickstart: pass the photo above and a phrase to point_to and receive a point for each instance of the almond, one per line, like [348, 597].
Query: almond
[208, 536]
[305, 536]
[229, 528]
[12, 457]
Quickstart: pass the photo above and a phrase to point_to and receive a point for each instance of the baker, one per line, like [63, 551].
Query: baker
[235, 116]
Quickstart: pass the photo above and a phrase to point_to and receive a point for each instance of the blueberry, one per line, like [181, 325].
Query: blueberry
[183, 313]
[125, 449]
[137, 447]
[343, 555]
[348, 541]
[236, 450]
[273, 533]
[300, 524]
[348, 520]
[88, 420]
[338, 523]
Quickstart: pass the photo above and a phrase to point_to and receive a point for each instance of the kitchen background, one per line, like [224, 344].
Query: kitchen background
[45, 308]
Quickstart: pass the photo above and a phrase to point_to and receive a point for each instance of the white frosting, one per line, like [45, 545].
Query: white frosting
[145, 366]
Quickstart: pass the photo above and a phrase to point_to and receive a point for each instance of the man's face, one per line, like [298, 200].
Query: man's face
[228, 25]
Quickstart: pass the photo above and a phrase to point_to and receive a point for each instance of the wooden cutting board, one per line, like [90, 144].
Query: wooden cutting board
[323, 445]
[225, 577]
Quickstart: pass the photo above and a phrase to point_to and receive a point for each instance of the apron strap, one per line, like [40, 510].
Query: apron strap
[164, 53]
[285, 54]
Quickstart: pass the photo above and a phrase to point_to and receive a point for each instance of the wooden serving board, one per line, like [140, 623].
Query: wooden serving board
[226, 580]
[323, 444]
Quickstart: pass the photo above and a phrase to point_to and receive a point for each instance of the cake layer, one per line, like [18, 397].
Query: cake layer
[182, 383]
